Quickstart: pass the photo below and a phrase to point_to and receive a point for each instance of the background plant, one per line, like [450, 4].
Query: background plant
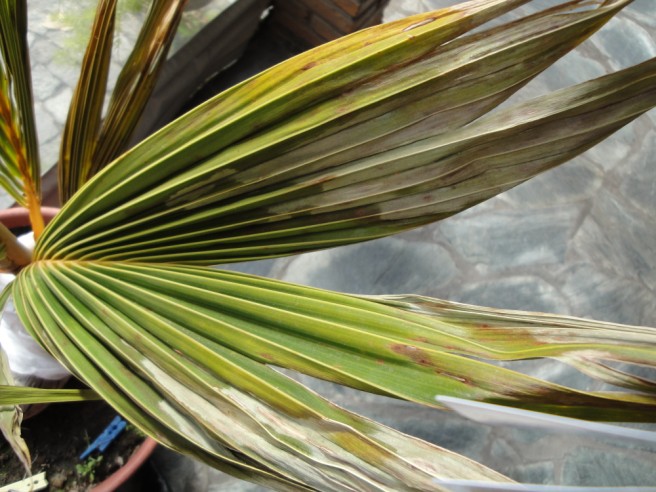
[380, 132]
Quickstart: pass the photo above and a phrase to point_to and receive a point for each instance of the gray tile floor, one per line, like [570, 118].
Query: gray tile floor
[579, 240]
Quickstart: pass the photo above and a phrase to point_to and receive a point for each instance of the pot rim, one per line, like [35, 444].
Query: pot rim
[135, 461]
[19, 216]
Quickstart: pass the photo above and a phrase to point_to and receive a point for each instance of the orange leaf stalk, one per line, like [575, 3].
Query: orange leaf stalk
[34, 208]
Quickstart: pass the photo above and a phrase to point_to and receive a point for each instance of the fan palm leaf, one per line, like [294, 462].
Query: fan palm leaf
[376, 133]
[19, 155]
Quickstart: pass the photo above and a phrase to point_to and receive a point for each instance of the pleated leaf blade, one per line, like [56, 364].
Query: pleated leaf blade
[91, 140]
[371, 347]
[212, 399]
[213, 160]
[80, 136]
[378, 195]
[368, 136]
[19, 156]
[23, 395]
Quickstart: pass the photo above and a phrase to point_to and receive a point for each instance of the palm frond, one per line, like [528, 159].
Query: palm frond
[352, 60]
[378, 132]
[11, 415]
[178, 382]
[136, 81]
[19, 156]
[91, 142]
[181, 351]
[336, 172]
[83, 123]
[23, 395]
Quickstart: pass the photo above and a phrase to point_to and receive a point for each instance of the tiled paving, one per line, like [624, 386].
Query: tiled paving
[578, 240]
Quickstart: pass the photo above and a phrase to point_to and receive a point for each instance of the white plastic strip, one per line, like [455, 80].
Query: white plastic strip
[471, 486]
[488, 413]
[37, 482]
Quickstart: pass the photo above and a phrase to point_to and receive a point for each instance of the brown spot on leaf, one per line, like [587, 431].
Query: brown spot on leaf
[323, 179]
[310, 65]
[267, 356]
[413, 353]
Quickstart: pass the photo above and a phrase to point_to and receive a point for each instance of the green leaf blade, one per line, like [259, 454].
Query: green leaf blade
[19, 157]
[376, 349]
[238, 106]
[249, 202]
[84, 119]
[281, 433]
[136, 81]
[86, 356]
[22, 395]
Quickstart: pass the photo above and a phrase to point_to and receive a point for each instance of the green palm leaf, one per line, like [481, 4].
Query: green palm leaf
[367, 136]
[85, 113]
[19, 155]
[178, 382]
[23, 395]
[336, 337]
[182, 350]
[89, 142]
[291, 187]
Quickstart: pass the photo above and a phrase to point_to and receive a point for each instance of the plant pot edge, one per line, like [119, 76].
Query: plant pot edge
[125, 472]
[19, 216]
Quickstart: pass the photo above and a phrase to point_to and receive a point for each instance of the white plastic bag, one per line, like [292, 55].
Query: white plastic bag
[27, 359]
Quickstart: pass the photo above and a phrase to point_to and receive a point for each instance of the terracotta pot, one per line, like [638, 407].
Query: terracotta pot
[19, 217]
[123, 474]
